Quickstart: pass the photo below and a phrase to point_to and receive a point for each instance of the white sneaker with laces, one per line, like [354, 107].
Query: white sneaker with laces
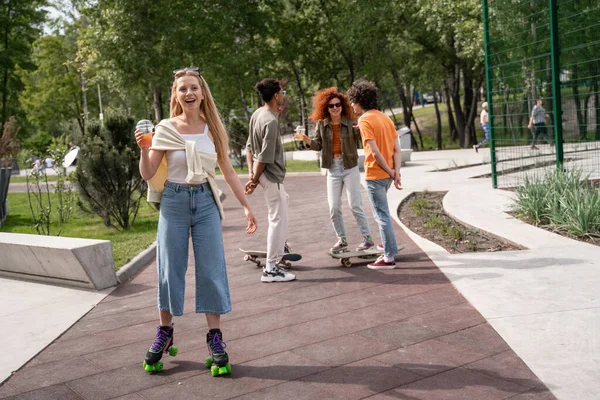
[277, 275]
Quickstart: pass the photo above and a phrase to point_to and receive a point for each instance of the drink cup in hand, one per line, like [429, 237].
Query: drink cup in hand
[147, 127]
[300, 131]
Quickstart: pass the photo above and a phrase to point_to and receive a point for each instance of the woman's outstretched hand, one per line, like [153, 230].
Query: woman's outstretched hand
[251, 228]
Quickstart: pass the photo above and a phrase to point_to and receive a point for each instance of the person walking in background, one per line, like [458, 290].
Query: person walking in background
[537, 123]
[336, 138]
[382, 163]
[266, 166]
[180, 170]
[483, 118]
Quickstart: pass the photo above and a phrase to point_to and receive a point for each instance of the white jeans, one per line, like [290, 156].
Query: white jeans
[337, 179]
[277, 203]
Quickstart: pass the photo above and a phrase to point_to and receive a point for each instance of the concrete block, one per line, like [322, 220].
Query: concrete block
[86, 263]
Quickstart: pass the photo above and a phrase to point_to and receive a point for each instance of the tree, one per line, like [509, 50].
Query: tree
[107, 172]
[52, 92]
[238, 135]
[452, 31]
[9, 144]
[20, 22]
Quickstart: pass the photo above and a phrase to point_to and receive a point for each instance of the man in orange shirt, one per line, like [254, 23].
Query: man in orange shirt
[382, 163]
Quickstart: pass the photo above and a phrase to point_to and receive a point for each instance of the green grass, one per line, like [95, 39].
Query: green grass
[125, 244]
[23, 179]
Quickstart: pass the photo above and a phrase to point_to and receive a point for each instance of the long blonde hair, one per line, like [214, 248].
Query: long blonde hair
[208, 110]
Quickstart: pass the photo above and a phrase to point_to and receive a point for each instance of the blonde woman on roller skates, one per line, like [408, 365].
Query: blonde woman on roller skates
[180, 169]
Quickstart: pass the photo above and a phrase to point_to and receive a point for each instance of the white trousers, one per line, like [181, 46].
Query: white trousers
[277, 203]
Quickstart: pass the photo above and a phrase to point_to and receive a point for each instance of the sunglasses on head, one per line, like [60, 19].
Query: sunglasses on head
[186, 69]
[334, 105]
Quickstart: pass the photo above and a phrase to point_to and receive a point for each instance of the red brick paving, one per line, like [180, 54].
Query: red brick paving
[335, 333]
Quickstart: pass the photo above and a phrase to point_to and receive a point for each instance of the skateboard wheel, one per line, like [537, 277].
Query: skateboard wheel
[246, 257]
[346, 263]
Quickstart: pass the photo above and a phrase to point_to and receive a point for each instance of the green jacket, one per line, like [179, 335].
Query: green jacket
[321, 139]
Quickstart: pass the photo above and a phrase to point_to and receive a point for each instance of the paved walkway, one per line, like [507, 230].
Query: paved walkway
[543, 301]
[336, 332]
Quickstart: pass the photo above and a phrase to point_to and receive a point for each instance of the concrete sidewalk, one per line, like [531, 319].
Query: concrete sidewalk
[336, 332]
[543, 301]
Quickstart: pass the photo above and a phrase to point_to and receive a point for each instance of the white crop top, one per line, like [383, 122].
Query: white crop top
[177, 168]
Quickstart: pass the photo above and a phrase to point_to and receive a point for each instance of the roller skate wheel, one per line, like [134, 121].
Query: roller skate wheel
[216, 371]
[208, 362]
[147, 367]
[158, 366]
[224, 370]
[173, 351]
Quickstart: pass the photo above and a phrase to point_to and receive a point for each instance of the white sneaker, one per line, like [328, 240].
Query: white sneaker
[277, 275]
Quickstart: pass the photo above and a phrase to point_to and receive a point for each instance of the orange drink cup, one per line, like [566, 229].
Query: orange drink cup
[146, 140]
[146, 127]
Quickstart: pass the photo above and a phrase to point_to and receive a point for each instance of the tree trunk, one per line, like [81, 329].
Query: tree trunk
[84, 93]
[244, 104]
[5, 74]
[402, 95]
[451, 123]
[418, 132]
[471, 89]
[454, 86]
[574, 83]
[596, 98]
[438, 117]
[593, 118]
[158, 111]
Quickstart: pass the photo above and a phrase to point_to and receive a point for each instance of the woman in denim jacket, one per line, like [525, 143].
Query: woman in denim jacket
[336, 138]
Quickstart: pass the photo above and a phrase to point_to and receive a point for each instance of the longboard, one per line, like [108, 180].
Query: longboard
[255, 256]
[345, 256]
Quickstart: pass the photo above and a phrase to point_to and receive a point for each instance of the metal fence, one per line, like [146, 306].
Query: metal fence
[543, 59]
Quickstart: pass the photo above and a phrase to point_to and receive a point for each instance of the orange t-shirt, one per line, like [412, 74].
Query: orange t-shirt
[336, 144]
[375, 125]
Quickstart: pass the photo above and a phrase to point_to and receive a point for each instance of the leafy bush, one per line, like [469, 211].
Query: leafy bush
[39, 142]
[564, 201]
[38, 191]
[108, 176]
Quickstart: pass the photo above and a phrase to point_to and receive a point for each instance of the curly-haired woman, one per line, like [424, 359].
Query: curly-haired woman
[336, 138]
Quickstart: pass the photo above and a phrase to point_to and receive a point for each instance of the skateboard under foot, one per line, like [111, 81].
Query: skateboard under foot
[255, 257]
[345, 256]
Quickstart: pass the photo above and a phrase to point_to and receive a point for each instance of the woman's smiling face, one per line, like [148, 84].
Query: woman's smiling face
[189, 92]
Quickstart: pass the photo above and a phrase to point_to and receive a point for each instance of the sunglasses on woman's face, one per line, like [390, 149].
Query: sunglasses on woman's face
[334, 105]
[186, 69]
